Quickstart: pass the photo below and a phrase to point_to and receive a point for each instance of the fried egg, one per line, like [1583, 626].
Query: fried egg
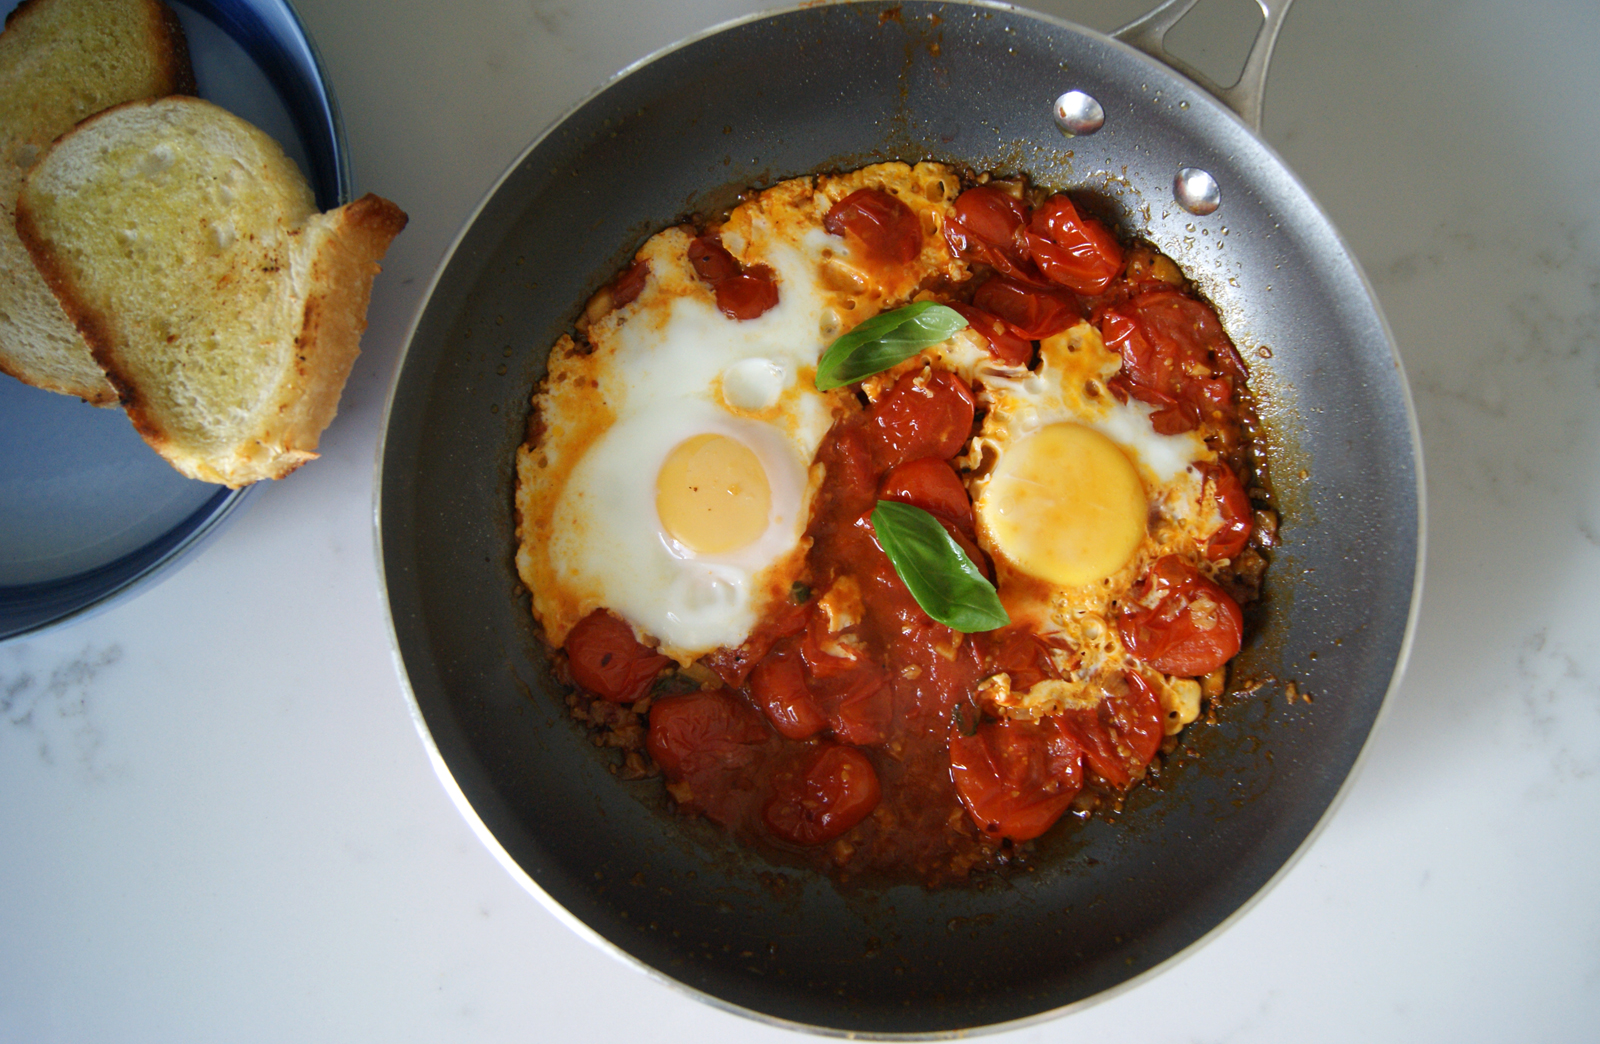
[669, 476]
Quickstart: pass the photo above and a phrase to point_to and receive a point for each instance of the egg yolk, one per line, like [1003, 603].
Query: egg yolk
[1065, 504]
[712, 494]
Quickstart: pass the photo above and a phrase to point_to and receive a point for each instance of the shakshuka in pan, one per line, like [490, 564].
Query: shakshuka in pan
[894, 517]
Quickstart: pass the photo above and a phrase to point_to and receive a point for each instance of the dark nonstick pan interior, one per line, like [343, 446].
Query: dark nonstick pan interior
[833, 87]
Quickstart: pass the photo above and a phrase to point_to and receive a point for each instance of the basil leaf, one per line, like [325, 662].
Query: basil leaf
[884, 340]
[944, 581]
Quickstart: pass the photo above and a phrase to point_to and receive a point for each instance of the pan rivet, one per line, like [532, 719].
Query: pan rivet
[1077, 113]
[1196, 191]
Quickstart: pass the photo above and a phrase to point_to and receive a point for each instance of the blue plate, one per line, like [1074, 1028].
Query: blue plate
[88, 513]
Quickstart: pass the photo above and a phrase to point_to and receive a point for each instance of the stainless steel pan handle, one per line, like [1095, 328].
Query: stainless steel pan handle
[1149, 33]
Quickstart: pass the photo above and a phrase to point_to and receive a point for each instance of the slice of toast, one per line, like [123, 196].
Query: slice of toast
[188, 250]
[60, 61]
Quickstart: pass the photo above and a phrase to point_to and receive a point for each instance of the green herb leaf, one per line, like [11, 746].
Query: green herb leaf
[944, 581]
[884, 340]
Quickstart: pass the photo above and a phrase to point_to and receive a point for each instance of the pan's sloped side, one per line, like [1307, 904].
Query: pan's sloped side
[836, 86]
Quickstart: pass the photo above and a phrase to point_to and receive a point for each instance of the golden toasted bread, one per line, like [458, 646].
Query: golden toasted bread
[224, 308]
[60, 61]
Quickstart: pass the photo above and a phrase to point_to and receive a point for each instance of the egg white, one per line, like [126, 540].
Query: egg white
[667, 367]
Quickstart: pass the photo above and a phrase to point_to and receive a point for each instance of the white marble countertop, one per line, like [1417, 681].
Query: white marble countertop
[220, 825]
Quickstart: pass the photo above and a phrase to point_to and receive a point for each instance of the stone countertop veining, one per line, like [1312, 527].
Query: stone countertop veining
[220, 825]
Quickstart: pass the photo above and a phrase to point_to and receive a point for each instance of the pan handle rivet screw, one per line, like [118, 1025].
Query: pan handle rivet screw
[1196, 191]
[1077, 113]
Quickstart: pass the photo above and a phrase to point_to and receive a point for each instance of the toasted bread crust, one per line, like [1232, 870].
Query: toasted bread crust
[335, 315]
[175, 49]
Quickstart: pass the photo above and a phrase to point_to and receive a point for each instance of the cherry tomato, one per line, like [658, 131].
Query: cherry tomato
[630, 284]
[829, 793]
[1189, 324]
[1191, 627]
[702, 732]
[992, 215]
[1076, 251]
[852, 478]
[1016, 778]
[1022, 655]
[987, 227]
[733, 665]
[887, 229]
[749, 294]
[1004, 345]
[778, 685]
[1138, 718]
[932, 485]
[1175, 356]
[863, 710]
[607, 660]
[818, 648]
[920, 417]
[1030, 312]
[1148, 374]
[741, 293]
[1143, 364]
[1234, 505]
[711, 259]
[1092, 730]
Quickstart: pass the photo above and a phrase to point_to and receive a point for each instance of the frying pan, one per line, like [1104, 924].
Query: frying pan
[834, 87]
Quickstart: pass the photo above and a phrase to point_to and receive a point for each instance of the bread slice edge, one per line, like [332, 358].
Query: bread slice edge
[44, 348]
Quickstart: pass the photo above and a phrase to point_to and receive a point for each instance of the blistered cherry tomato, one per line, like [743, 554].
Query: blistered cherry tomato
[733, 665]
[1076, 251]
[1093, 731]
[1138, 718]
[1175, 356]
[748, 295]
[932, 485]
[742, 293]
[888, 231]
[828, 794]
[1191, 626]
[823, 650]
[703, 731]
[607, 660]
[1030, 312]
[1021, 654]
[1234, 505]
[1016, 778]
[987, 227]
[630, 284]
[921, 416]
[992, 215]
[1145, 375]
[1190, 325]
[849, 688]
[711, 260]
[863, 710]
[1004, 345]
[778, 685]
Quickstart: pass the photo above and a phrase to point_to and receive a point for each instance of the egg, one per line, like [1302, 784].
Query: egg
[669, 477]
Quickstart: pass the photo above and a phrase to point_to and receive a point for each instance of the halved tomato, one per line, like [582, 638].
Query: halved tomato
[1016, 778]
